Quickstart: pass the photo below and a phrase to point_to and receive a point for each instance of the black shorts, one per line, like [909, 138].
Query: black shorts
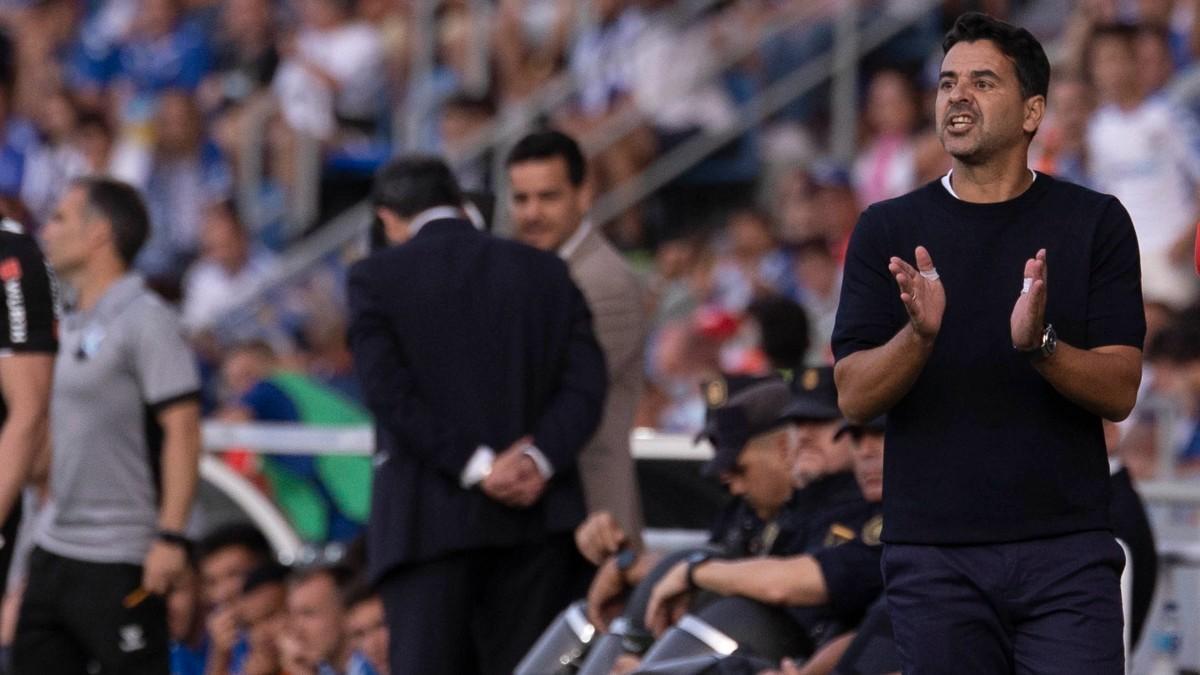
[76, 614]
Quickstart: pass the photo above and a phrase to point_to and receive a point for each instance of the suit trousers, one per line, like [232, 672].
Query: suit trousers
[1046, 606]
[476, 612]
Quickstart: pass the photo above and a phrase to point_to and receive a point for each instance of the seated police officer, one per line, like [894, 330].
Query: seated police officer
[825, 591]
[755, 452]
[826, 510]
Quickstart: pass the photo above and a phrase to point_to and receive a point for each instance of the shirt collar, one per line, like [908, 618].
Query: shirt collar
[115, 298]
[572, 243]
[427, 216]
[946, 183]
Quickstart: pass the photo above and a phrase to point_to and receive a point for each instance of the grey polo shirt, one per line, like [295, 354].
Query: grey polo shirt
[118, 365]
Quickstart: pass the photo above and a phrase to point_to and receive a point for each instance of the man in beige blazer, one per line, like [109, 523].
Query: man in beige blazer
[549, 201]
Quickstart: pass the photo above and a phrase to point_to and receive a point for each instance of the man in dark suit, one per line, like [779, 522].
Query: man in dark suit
[477, 358]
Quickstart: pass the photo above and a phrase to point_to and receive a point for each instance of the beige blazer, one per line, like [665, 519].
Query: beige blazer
[619, 319]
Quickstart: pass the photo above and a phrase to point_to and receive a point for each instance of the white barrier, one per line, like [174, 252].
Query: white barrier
[299, 439]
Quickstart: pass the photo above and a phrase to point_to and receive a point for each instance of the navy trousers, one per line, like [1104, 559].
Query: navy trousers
[1046, 606]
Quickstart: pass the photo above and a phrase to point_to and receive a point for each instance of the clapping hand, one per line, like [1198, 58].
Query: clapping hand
[921, 292]
[1029, 313]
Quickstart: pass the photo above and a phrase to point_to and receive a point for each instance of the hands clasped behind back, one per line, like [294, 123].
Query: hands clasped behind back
[515, 480]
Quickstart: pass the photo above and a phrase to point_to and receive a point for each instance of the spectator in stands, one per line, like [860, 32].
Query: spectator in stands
[836, 205]
[784, 329]
[817, 280]
[1181, 46]
[259, 389]
[602, 62]
[464, 117]
[886, 165]
[186, 622]
[55, 159]
[1174, 355]
[42, 34]
[326, 356]
[1155, 63]
[245, 56]
[750, 264]
[530, 41]
[249, 644]
[1060, 147]
[672, 84]
[163, 52]
[315, 639]
[366, 627]
[1147, 154]
[227, 556]
[228, 268]
[17, 138]
[186, 174]
[331, 79]
[94, 139]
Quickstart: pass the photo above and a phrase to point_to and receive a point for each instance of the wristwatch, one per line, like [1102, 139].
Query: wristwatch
[625, 559]
[1046, 349]
[695, 560]
[174, 538]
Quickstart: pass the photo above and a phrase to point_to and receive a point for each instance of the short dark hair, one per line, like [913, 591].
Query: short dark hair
[1125, 33]
[1177, 343]
[121, 205]
[410, 185]
[270, 574]
[357, 592]
[1018, 44]
[549, 144]
[89, 119]
[472, 103]
[784, 328]
[338, 574]
[240, 535]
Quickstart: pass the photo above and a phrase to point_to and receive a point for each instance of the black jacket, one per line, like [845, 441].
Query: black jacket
[461, 340]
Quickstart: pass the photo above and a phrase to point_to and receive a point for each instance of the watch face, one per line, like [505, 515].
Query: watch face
[1049, 341]
[625, 558]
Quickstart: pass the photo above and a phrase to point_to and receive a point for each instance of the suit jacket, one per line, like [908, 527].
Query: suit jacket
[461, 340]
[619, 317]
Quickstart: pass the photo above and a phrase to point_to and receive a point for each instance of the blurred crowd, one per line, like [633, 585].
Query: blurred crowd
[239, 611]
[214, 108]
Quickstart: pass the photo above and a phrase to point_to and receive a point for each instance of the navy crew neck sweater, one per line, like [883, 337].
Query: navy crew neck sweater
[983, 449]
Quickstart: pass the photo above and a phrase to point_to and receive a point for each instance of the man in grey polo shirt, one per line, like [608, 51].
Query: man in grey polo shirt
[125, 431]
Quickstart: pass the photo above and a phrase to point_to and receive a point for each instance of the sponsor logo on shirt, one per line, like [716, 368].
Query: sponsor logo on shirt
[18, 325]
[132, 638]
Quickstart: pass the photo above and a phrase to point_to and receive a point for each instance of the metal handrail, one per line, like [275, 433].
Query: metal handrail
[628, 119]
[771, 100]
[340, 232]
[519, 116]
